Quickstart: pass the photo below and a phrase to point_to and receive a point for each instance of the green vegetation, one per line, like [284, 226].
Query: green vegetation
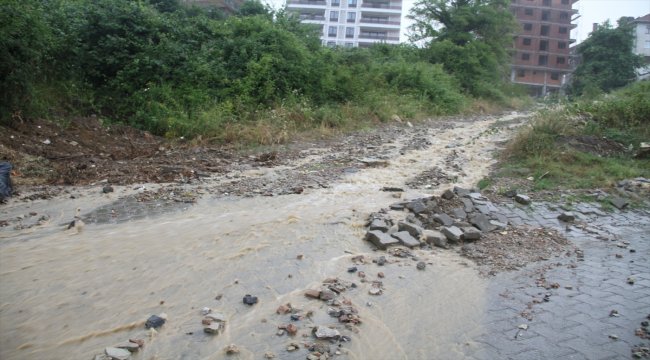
[255, 77]
[607, 60]
[573, 146]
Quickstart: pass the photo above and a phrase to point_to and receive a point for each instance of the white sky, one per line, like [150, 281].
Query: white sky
[590, 11]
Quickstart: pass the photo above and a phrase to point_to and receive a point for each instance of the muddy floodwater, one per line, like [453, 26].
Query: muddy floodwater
[68, 295]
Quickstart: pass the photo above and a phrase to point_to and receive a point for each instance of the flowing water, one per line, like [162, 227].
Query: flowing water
[67, 296]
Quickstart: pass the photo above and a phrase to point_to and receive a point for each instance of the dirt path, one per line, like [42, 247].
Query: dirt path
[298, 218]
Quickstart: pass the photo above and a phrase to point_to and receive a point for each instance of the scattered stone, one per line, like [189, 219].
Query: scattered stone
[417, 206]
[523, 327]
[498, 225]
[481, 222]
[249, 299]
[107, 189]
[436, 238]
[470, 234]
[460, 191]
[447, 195]
[213, 328]
[413, 229]
[381, 240]
[421, 265]
[443, 219]
[269, 355]
[619, 203]
[567, 216]
[459, 213]
[139, 342]
[468, 205]
[215, 316]
[631, 280]
[205, 311]
[379, 224]
[324, 332]
[155, 321]
[352, 269]
[613, 337]
[398, 206]
[381, 261]
[326, 295]
[291, 329]
[510, 193]
[300, 256]
[406, 239]
[115, 353]
[375, 291]
[452, 233]
[293, 347]
[232, 349]
[130, 346]
[614, 313]
[380, 275]
[522, 199]
[361, 274]
[392, 189]
[284, 309]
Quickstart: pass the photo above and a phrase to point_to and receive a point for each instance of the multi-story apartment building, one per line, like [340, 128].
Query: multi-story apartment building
[642, 43]
[227, 6]
[541, 57]
[352, 23]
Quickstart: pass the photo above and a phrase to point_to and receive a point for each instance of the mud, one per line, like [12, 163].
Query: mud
[69, 294]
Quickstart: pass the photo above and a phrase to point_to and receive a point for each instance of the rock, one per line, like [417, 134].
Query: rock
[249, 300]
[447, 195]
[510, 193]
[117, 354]
[459, 213]
[443, 219]
[498, 225]
[373, 162]
[101, 357]
[523, 327]
[380, 275]
[205, 310]
[619, 203]
[481, 222]
[269, 355]
[436, 238]
[391, 189]
[500, 218]
[352, 269]
[213, 328]
[293, 347]
[130, 346]
[379, 224]
[413, 229]
[326, 295]
[461, 192]
[471, 233]
[314, 294]
[381, 261]
[468, 205]
[107, 189]
[522, 199]
[452, 233]
[323, 332]
[215, 316]
[291, 329]
[567, 216]
[417, 206]
[406, 239]
[155, 321]
[421, 265]
[476, 196]
[284, 309]
[375, 291]
[381, 240]
[399, 206]
[231, 349]
[483, 209]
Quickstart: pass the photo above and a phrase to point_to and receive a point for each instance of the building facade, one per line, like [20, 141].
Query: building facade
[352, 23]
[642, 44]
[541, 56]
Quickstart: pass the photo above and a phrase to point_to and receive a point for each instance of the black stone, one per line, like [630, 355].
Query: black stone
[250, 300]
[154, 321]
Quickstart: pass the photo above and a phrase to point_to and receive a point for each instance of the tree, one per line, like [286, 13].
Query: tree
[607, 61]
[470, 38]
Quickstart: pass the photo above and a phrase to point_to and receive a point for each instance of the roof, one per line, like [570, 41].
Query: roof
[645, 18]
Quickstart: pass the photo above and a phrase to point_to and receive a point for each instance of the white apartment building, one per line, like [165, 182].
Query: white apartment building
[642, 43]
[352, 23]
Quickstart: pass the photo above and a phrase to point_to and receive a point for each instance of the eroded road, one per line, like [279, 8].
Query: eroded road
[269, 231]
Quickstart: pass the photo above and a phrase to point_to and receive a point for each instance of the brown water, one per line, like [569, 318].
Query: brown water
[67, 296]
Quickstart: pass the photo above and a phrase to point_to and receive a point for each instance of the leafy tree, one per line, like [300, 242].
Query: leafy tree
[607, 59]
[254, 7]
[470, 38]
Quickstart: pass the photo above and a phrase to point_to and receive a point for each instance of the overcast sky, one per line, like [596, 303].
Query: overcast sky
[590, 11]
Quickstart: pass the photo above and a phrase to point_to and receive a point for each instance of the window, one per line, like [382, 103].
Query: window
[543, 45]
[334, 16]
[544, 30]
[647, 44]
[528, 12]
[528, 27]
[332, 31]
[521, 73]
[543, 60]
[546, 2]
[352, 16]
[352, 3]
[564, 15]
[565, 2]
[546, 14]
[336, 3]
[561, 45]
[560, 60]
[349, 32]
[349, 44]
[555, 76]
[563, 29]
[525, 56]
[526, 41]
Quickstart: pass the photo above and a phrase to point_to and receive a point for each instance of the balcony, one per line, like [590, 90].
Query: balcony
[367, 5]
[379, 21]
[307, 2]
[378, 37]
[311, 17]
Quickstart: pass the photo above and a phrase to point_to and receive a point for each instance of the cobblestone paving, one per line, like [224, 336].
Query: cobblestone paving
[561, 309]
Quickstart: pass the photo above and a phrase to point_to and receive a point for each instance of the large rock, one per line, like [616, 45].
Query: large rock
[414, 230]
[481, 222]
[498, 225]
[399, 205]
[567, 216]
[460, 191]
[379, 224]
[619, 203]
[436, 238]
[323, 332]
[406, 239]
[447, 195]
[381, 240]
[452, 233]
[459, 213]
[443, 219]
[471, 233]
[468, 205]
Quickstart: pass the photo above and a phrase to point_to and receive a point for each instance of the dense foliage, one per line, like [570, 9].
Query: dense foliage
[178, 70]
[607, 60]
